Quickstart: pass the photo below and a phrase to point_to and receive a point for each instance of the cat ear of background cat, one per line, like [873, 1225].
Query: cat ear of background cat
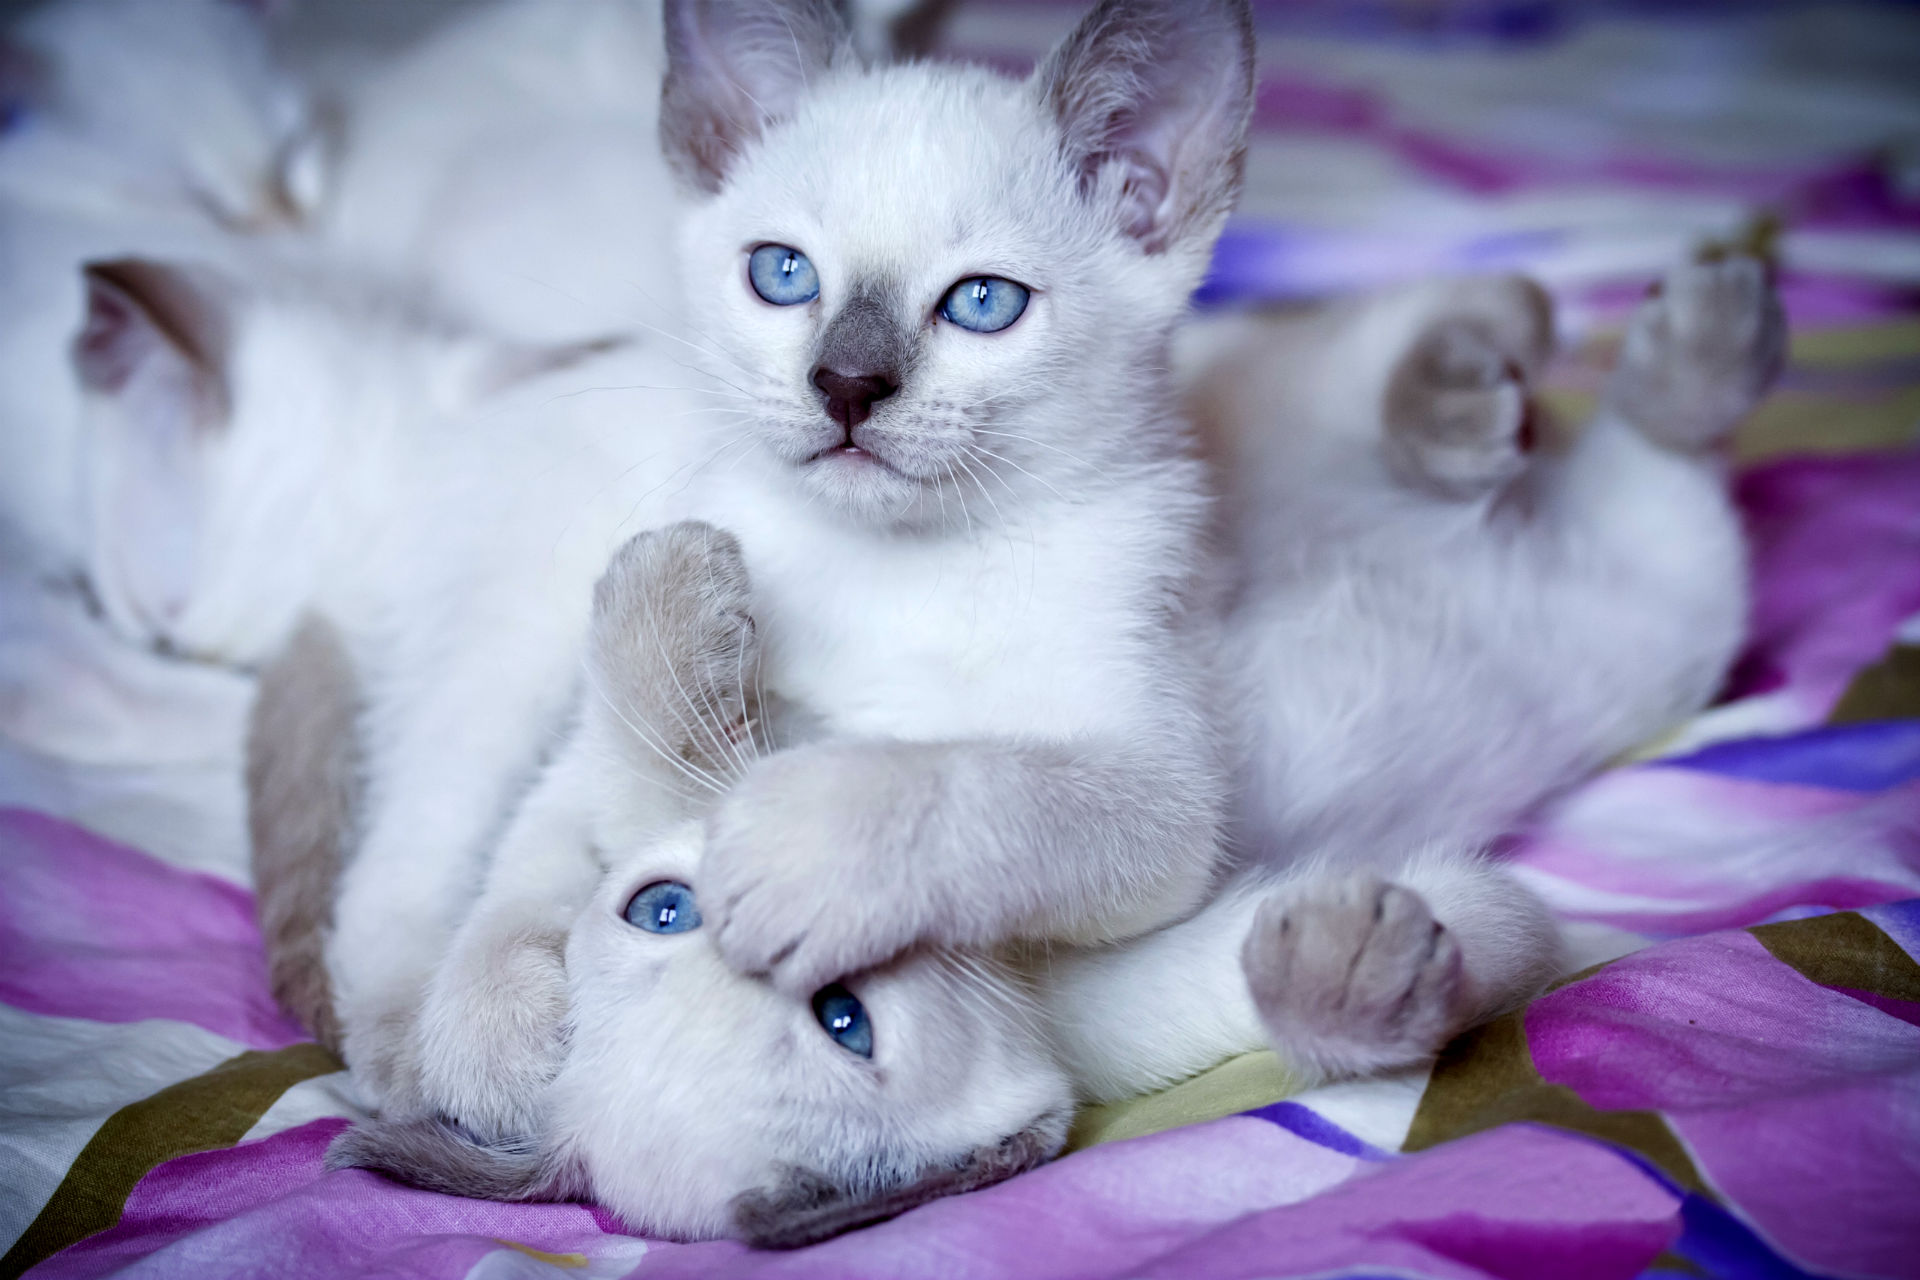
[152, 351]
[1153, 99]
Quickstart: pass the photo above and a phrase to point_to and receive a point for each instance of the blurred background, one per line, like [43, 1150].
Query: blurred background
[1588, 142]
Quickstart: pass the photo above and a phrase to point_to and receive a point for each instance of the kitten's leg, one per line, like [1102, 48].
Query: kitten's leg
[830, 858]
[1637, 553]
[1152, 1011]
[1699, 353]
[440, 789]
[671, 659]
[1456, 412]
[1356, 974]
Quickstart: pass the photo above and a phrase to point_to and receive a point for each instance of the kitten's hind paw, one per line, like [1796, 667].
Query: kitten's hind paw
[1352, 977]
[1700, 353]
[1459, 414]
[674, 643]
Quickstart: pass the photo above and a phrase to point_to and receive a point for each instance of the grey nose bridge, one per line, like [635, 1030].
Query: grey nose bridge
[866, 338]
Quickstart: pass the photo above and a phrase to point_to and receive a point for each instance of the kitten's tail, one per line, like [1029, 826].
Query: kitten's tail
[303, 798]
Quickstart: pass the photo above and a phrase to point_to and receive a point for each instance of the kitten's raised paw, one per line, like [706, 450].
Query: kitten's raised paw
[1700, 353]
[674, 642]
[1459, 412]
[1353, 977]
[803, 879]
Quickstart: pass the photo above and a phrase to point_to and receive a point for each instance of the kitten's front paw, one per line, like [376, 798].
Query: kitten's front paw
[1700, 353]
[801, 881]
[674, 644]
[1459, 412]
[490, 1033]
[1354, 977]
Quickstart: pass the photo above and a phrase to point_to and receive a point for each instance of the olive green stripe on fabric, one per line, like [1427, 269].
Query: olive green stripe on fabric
[1487, 1078]
[1844, 949]
[208, 1111]
[1671, 1263]
[1887, 690]
[1245, 1083]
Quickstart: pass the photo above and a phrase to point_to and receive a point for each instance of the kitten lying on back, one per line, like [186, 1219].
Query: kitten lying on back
[1445, 616]
[605, 860]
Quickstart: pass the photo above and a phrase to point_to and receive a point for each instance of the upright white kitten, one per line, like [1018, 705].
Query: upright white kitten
[954, 466]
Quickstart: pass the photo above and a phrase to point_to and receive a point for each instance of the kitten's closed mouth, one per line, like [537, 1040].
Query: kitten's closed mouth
[850, 455]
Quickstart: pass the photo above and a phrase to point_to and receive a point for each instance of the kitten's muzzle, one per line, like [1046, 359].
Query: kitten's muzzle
[849, 398]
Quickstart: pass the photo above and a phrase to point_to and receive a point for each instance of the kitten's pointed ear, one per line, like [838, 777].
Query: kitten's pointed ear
[734, 66]
[1152, 98]
[152, 355]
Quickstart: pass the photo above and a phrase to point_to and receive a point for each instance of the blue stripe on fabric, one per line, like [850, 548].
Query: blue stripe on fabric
[1725, 1248]
[1848, 757]
[1304, 1122]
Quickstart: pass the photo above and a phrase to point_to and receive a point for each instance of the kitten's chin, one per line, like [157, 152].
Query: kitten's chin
[862, 486]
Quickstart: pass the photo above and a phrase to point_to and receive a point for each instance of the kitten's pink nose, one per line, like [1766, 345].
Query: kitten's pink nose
[851, 397]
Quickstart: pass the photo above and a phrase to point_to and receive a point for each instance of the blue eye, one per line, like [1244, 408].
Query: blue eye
[783, 276]
[844, 1019]
[664, 907]
[985, 304]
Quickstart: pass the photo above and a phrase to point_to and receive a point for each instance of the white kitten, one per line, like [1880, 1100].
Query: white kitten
[691, 1100]
[977, 551]
[1444, 621]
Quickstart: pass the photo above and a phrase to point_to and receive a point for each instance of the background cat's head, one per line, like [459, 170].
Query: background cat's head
[240, 433]
[937, 286]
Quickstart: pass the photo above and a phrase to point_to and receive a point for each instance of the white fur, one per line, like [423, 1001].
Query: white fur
[1437, 630]
[146, 128]
[1010, 601]
[1037, 610]
[510, 163]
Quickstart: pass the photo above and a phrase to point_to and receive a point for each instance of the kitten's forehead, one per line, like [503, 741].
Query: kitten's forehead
[893, 167]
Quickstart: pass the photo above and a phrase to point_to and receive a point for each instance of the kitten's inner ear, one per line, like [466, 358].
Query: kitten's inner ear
[153, 353]
[733, 67]
[1152, 99]
[148, 322]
